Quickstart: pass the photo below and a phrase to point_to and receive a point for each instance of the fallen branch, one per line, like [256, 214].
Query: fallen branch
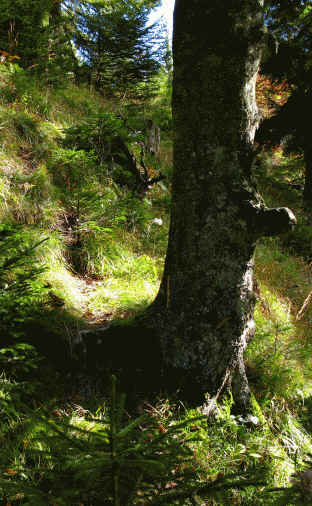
[304, 307]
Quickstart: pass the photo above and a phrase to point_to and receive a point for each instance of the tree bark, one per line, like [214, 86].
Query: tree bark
[152, 142]
[307, 192]
[203, 312]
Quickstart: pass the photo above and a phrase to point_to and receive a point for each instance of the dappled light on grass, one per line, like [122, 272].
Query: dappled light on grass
[278, 356]
[163, 456]
[122, 296]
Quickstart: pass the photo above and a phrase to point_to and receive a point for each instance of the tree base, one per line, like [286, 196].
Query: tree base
[129, 351]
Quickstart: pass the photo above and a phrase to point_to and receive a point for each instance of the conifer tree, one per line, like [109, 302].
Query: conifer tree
[38, 34]
[119, 50]
[22, 27]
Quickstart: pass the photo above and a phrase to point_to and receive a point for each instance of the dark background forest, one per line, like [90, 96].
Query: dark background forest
[86, 164]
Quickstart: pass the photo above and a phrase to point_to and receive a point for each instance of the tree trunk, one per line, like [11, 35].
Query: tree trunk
[204, 309]
[152, 142]
[307, 192]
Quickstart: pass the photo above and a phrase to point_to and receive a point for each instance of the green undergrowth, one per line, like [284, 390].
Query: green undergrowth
[282, 345]
[57, 182]
[279, 355]
[165, 455]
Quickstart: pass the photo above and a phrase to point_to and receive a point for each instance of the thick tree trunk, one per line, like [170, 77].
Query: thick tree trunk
[204, 309]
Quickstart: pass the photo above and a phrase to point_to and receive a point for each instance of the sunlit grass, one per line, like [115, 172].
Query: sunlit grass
[279, 357]
[118, 296]
[130, 277]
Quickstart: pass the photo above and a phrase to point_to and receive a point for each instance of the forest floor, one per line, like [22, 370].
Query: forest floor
[88, 289]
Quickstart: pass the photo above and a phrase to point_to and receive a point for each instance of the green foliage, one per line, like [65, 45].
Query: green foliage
[154, 459]
[290, 24]
[278, 357]
[119, 49]
[13, 399]
[19, 359]
[134, 214]
[24, 131]
[105, 137]
[109, 459]
[29, 198]
[26, 127]
[39, 36]
[299, 241]
[21, 292]
[161, 108]
[19, 85]
[20, 28]
[71, 169]
[95, 134]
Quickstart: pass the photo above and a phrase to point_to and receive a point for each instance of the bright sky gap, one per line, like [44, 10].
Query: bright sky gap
[166, 12]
